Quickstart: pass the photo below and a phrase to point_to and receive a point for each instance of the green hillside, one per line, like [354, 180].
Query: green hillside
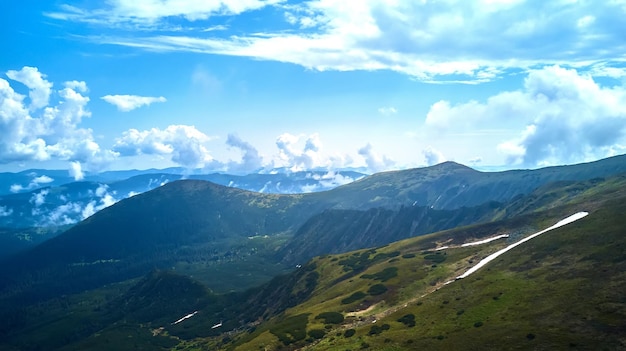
[561, 290]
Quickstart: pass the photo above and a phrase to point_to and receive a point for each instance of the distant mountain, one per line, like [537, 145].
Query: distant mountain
[58, 201]
[450, 185]
[205, 229]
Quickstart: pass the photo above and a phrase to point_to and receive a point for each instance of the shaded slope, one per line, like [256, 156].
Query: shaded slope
[336, 231]
[190, 220]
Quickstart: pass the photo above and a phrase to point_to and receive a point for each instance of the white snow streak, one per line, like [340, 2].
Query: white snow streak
[493, 256]
[486, 240]
[185, 317]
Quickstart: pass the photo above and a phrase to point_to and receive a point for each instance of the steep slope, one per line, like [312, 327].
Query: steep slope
[560, 290]
[335, 231]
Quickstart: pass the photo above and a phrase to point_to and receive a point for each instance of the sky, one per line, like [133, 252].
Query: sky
[242, 85]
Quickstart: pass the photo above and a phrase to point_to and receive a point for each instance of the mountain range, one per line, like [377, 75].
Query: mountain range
[259, 265]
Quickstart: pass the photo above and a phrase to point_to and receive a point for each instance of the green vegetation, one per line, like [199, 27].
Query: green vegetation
[377, 289]
[384, 275]
[354, 297]
[291, 329]
[331, 317]
[408, 320]
[317, 333]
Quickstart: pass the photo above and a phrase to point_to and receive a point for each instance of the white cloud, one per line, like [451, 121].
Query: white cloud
[387, 111]
[79, 86]
[34, 183]
[46, 131]
[64, 214]
[185, 145]
[300, 152]
[419, 38]
[329, 180]
[104, 199]
[150, 14]
[250, 160]
[76, 171]
[5, 211]
[39, 87]
[375, 162]
[127, 103]
[562, 116]
[433, 156]
[39, 198]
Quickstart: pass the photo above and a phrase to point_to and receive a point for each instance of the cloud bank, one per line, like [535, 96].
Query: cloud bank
[562, 116]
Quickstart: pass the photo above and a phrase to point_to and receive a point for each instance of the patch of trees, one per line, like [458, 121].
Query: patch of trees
[330, 317]
[377, 289]
[384, 275]
[408, 320]
[291, 329]
[354, 297]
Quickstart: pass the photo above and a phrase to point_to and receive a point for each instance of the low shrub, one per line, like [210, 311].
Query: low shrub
[377, 289]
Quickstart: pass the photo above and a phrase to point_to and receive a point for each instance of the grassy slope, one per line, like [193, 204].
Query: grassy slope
[563, 289]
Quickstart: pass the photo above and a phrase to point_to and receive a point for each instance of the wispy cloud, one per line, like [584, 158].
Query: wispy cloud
[127, 103]
[418, 38]
[156, 14]
[387, 111]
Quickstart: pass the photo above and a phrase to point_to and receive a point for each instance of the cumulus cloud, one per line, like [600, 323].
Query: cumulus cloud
[250, 160]
[39, 87]
[329, 180]
[433, 156]
[562, 116]
[297, 156]
[76, 171]
[75, 211]
[417, 38]
[375, 162]
[39, 198]
[103, 199]
[185, 145]
[34, 183]
[42, 130]
[128, 103]
[5, 211]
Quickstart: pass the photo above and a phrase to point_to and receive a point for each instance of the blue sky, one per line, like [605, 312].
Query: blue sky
[236, 86]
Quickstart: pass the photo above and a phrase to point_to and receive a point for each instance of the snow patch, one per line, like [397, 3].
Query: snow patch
[495, 255]
[185, 317]
[486, 240]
